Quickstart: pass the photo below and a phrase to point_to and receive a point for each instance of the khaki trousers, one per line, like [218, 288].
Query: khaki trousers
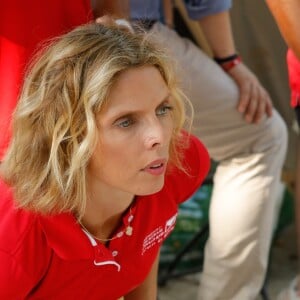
[243, 204]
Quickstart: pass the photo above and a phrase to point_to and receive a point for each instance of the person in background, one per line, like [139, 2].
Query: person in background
[286, 14]
[80, 213]
[235, 119]
[24, 26]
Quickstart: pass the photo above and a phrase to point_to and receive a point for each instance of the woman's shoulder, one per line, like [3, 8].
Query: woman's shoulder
[15, 223]
[24, 254]
[195, 162]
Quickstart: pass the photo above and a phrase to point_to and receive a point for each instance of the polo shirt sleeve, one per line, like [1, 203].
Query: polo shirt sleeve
[202, 8]
[24, 255]
[196, 163]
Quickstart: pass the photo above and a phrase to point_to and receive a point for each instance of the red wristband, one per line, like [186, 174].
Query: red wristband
[227, 66]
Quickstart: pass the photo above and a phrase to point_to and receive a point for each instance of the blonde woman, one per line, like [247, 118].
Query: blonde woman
[95, 171]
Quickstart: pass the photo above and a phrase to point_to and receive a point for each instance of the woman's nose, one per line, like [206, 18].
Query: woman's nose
[154, 135]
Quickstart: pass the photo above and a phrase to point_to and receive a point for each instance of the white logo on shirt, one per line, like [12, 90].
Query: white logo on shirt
[159, 234]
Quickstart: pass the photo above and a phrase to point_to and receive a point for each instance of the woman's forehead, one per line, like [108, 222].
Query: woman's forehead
[136, 84]
[144, 91]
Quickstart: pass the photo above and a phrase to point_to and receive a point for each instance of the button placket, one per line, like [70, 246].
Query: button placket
[98, 253]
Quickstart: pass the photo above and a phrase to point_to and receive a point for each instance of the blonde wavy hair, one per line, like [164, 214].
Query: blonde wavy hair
[54, 125]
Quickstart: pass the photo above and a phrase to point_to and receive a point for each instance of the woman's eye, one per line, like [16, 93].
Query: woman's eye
[124, 123]
[163, 110]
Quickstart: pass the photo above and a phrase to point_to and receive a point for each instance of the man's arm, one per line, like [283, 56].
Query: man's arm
[287, 14]
[148, 289]
[217, 30]
[168, 13]
[254, 100]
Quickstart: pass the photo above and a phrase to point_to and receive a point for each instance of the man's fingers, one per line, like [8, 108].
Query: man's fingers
[263, 106]
[244, 98]
[253, 104]
[105, 20]
[109, 21]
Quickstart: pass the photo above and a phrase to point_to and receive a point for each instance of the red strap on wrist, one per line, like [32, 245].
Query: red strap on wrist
[227, 66]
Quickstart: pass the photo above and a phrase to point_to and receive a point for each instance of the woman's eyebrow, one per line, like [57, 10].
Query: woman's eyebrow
[131, 112]
[165, 99]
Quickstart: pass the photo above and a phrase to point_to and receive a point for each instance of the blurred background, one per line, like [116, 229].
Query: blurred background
[262, 48]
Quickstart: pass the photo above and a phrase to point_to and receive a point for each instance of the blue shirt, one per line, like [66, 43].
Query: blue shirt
[145, 9]
[197, 9]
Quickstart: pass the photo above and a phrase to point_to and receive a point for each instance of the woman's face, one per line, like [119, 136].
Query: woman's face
[135, 130]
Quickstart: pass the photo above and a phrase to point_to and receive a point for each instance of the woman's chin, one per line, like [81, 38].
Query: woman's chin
[155, 188]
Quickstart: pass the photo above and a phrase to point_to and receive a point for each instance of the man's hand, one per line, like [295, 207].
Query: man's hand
[106, 20]
[109, 21]
[254, 100]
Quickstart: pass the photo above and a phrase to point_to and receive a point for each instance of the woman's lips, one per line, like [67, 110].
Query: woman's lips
[156, 167]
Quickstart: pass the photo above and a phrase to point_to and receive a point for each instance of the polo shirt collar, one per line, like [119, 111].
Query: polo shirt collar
[67, 239]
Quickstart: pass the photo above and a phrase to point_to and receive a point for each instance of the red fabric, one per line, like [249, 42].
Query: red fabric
[52, 258]
[23, 26]
[294, 77]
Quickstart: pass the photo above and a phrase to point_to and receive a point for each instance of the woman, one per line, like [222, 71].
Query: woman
[96, 168]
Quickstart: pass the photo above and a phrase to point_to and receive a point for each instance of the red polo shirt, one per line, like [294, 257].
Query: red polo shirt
[23, 26]
[294, 77]
[43, 257]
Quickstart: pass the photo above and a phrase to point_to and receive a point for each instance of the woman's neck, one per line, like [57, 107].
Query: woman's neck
[104, 209]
